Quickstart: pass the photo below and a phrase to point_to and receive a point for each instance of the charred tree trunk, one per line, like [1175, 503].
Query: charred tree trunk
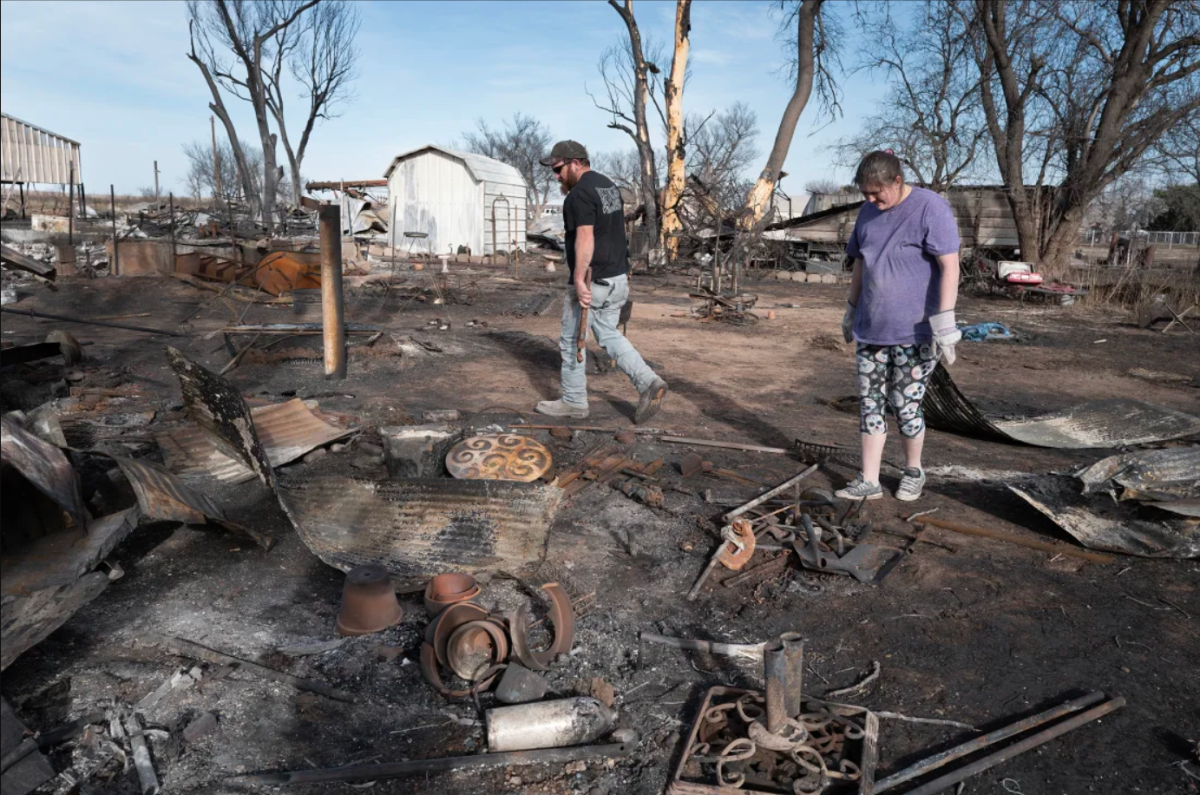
[641, 132]
[676, 156]
[760, 195]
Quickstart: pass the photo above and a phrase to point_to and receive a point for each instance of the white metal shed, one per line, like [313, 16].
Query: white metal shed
[450, 196]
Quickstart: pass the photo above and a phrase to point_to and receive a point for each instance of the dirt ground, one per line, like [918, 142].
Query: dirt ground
[967, 629]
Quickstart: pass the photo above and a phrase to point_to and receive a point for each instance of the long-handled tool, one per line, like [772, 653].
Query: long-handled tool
[581, 337]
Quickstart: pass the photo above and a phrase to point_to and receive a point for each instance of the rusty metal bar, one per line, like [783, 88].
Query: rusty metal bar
[749, 651]
[171, 206]
[86, 322]
[775, 674]
[195, 651]
[979, 743]
[766, 495]
[772, 566]
[71, 208]
[388, 770]
[1044, 546]
[793, 672]
[1005, 754]
[332, 305]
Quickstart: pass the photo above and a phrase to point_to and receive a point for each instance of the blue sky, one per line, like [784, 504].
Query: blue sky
[114, 76]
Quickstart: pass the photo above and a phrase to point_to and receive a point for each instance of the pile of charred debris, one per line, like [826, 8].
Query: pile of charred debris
[457, 511]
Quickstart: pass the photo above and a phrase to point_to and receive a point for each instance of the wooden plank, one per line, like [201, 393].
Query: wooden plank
[16, 259]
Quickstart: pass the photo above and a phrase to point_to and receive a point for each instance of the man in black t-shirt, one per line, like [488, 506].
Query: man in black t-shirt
[598, 282]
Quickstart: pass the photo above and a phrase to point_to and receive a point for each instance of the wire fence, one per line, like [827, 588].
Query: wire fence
[1098, 237]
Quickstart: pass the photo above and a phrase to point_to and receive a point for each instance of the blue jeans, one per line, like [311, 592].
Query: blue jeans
[602, 320]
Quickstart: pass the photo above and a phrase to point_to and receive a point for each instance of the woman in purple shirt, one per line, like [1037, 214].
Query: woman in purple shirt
[900, 312]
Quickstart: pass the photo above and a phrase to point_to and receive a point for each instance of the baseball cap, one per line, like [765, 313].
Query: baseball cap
[565, 150]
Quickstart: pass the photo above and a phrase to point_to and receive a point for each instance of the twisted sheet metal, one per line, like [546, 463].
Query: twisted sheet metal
[1098, 522]
[421, 527]
[286, 431]
[218, 408]
[45, 467]
[1148, 474]
[1100, 423]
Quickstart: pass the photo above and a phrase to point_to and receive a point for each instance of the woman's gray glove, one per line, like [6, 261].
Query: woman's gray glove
[945, 335]
[848, 323]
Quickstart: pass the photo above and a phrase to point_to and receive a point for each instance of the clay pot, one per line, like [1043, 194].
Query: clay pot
[368, 602]
[449, 589]
[418, 266]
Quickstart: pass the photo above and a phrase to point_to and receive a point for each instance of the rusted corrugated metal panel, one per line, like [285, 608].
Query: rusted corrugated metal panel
[44, 466]
[286, 431]
[419, 528]
[217, 407]
[33, 155]
[161, 495]
[1099, 522]
[1101, 423]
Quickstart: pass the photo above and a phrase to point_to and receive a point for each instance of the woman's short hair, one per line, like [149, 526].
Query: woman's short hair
[877, 170]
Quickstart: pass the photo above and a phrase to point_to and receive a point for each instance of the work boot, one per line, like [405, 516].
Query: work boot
[911, 483]
[859, 489]
[560, 408]
[650, 400]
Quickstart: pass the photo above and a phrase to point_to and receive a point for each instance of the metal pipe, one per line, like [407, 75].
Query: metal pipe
[389, 770]
[21, 188]
[774, 672]
[548, 724]
[71, 208]
[793, 671]
[82, 201]
[114, 267]
[85, 322]
[981, 742]
[496, 248]
[1004, 754]
[171, 205]
[332, 307]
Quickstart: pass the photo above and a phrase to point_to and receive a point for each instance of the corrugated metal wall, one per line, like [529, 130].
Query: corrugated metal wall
[31, 154]
[436, 193]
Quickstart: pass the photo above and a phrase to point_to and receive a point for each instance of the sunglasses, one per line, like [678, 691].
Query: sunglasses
[558, 169]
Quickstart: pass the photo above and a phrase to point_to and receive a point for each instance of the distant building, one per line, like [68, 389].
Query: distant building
[453, 197]
[30, 155]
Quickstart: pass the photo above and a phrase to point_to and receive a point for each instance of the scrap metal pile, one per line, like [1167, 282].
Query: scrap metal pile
[777, 741]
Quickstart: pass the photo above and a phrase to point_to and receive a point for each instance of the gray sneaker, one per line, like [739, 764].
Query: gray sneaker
[650, 400]
[859, 489]
[911, 484]
[560, 408]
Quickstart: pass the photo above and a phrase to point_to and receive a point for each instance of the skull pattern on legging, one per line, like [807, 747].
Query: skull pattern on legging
[893, 377]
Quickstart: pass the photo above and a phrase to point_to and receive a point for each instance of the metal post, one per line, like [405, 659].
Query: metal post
[71, 208]
[332, 310]
[793, 664]
[775, 671]
[157, 200]
[82, 202]
[114, 268]
[171, 206]
[21, 186]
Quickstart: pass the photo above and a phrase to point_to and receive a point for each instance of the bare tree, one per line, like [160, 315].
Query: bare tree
[823, 186]
[1074, 94]
[322, 58]
[931, 119]
[521, 143]
[676, 142]
[200, 172]
[813, 42]
[720, 149]
[250, 32]
[624, 168]
[627, 73]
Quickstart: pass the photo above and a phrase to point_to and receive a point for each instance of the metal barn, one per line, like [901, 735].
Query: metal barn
[457, 199]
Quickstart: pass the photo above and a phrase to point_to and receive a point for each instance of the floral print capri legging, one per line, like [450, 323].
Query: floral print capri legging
[893, 376]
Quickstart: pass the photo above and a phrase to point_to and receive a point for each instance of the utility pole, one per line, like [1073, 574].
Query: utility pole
[156, 201]
[216, 160]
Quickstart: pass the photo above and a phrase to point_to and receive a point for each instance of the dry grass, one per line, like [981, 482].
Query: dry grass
[45, 202]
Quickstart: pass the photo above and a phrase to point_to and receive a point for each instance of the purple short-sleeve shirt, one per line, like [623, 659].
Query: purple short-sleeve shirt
[901, 279]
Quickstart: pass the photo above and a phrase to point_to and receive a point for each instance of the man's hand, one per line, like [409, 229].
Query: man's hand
[583, 289]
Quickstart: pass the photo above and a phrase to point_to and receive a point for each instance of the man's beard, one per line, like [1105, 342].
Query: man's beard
[562, 187]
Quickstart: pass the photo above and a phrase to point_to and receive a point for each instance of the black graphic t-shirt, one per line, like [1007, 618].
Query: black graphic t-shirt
[595, 201]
